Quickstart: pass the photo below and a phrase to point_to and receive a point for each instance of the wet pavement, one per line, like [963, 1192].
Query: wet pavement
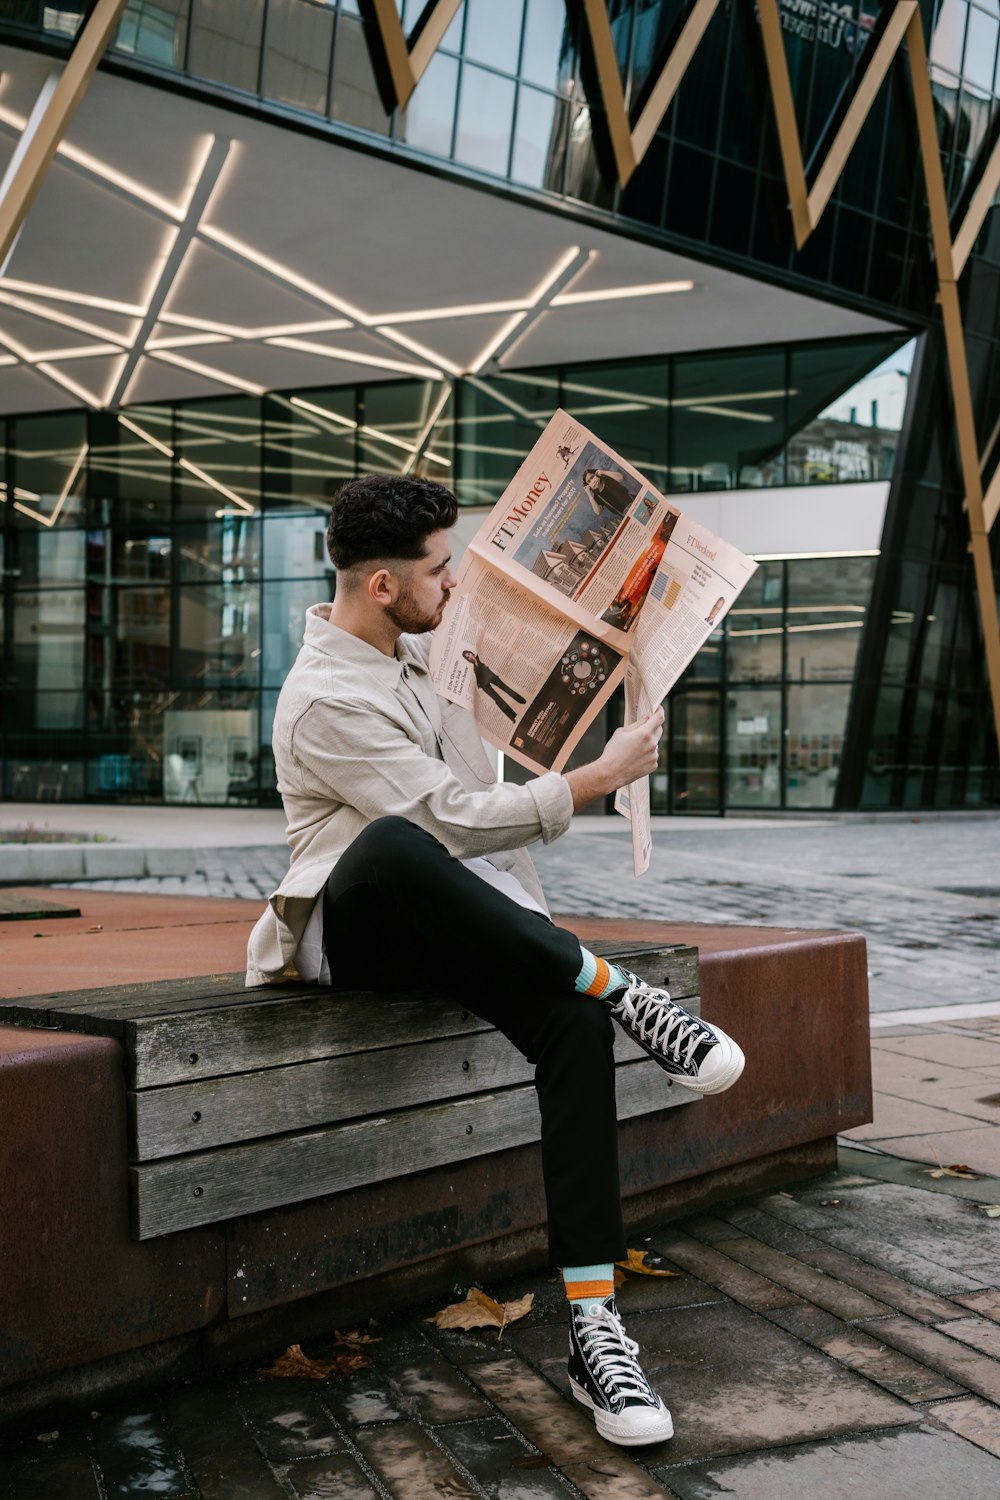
[841, 1338]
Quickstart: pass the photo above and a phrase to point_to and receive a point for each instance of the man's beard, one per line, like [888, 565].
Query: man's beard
[406, 615]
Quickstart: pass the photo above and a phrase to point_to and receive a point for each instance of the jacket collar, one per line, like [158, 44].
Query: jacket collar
[342, 646]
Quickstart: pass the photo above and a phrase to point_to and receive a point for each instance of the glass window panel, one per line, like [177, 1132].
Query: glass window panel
[539, 139]
[548, 54]
[754, 628]
[295, 547]
[41, 557]
[485, 116]
[128, 645]
[827, 602]
[226, 550]
[218, 448]
[817, 717]
[695, 752]
[36, 772]
[225, 42]
[47, 645]
[396, 416]
[427, 120]
[297, 54]
[209, 750]
[283, 617]
[155, 30]
[310, 446]
[493, 33]
[49, 470]
[218, 634]
[948, 37]
[844, 417]
[115, 555]
[753, 748]
[629, 407]
[130, 475]
[728, 421]
[499, 420]
[980, 48]
[355, 99]
[412, 11]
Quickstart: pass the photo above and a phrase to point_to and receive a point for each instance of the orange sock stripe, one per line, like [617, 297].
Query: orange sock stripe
[596, 1289]
[597, 987]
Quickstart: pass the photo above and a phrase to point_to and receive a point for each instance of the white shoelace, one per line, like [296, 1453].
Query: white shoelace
[658, 1023]
[611, 1356]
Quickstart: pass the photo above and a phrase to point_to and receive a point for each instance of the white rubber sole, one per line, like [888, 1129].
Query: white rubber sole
[657, 1426]
[727, 1063]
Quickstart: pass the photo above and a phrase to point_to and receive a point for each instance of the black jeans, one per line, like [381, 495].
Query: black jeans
[400, 912]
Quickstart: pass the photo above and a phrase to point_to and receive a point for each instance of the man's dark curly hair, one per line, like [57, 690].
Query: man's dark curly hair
[386, 516]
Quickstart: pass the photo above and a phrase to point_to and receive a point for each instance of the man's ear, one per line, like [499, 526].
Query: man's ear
[383, 587]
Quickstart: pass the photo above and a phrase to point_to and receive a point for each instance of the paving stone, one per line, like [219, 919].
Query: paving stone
[136, 1456]
[364, 1397]
[806, 1281]
[945, 1050]
[289, 1418]
[218, 1448]
[911, 1077]
[336, 1477]
[775, 1232]
[489, 1451]
[410, 1465]
[978, 1333]
[918, 1462]
[857, 1350]
[978, 1147]
[986, 1303]
[433, 1391]
[971, 1418]
[734, 1381]
[902, 1117]
[558, 1427]
[974, 1371]
[882, 1285]
[718, 1270]
[61, 1476]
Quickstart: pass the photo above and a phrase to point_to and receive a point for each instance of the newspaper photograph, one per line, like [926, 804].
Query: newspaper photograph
[582, 577]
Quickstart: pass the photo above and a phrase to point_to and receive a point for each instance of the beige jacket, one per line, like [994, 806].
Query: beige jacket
[359, 735]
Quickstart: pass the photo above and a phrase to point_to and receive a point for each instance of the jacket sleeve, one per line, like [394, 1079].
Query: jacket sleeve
[358, 755]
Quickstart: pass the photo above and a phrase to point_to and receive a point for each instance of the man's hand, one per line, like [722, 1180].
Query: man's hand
[630, 754]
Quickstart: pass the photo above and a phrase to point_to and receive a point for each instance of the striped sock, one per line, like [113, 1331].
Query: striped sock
[589, 1283]
[597, 977]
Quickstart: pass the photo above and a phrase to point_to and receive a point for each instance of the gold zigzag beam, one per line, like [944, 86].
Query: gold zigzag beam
[407, 64]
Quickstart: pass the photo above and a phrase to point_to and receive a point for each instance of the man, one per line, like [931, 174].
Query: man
[489, 683]
[409, 871]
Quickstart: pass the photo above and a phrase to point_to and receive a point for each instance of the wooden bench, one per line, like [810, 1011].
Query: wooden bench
[243, 1100]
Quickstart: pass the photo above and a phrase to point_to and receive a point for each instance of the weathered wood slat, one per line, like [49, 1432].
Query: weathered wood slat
[182, 1046]
[213, 1112]
[207, 1186]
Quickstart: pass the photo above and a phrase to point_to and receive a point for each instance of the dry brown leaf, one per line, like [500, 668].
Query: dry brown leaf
[958, 1170]
[293, 1363]
[639, 1263]
[480, 1311]
[620, 1277]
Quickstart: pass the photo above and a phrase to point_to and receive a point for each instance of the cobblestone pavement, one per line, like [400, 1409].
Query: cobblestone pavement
[926, 893]
[842, 1338]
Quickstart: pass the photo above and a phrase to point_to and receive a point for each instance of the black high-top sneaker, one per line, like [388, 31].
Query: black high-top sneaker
[605, 1375]
[693, 1052]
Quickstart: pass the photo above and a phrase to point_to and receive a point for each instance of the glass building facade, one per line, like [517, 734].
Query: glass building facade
[157, 561]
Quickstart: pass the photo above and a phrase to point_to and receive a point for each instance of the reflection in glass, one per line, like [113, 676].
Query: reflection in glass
[499, 421]
[47, 654]
[817, 717]
[428, 118]
[493, 33]
[283, 617]
[225, 42]
[754, 628]
[47, 478]
[404, 429]
[547, 58]
[155, 30]
[728, 434]
[355, 98]
[218, 447]
[539, 139]
[310, 446]
[753, 748]
[695, 752]
[297, 54]
[217, 634]
[130, 474]
[854, 436]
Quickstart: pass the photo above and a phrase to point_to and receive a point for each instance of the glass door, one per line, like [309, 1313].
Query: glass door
[696, 752]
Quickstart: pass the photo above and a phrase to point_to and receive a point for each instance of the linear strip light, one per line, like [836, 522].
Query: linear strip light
[443, 314]
[728, 411]
[501, 337]
[826, 625]
[622, 293]
[321, 411]
[444, 397]
[65, 320]
[82, 299]
[283, 273]
[350, 356]
[147, 437]
[51, 520]
[439, 360]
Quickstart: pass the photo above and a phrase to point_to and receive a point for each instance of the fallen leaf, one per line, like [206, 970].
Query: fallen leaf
[97, 928]
[991, 1210]
[47, 1437]
[293, 1363]
[645, 1263]
[958, 1170]
[620, 1277]
[480, 1311]
[354, 1339]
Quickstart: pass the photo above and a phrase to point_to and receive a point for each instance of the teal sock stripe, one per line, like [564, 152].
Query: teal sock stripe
[604, 1272]
[588, 972]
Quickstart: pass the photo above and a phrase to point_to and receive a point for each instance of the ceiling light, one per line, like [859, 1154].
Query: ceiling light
[63, 494]
[283, 273]
[442, 314]
[147, 437]
[622, 293]
[728, 411]
[82, 299]
[321, 411]
[439, 360]
[500, 337]
[215, 484]
[65, 320]
[187, 341]
[350, 356]
[61, 378]
[428, 427]
[81, 351]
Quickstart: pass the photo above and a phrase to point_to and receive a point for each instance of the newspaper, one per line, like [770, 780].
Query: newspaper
[582, 578]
